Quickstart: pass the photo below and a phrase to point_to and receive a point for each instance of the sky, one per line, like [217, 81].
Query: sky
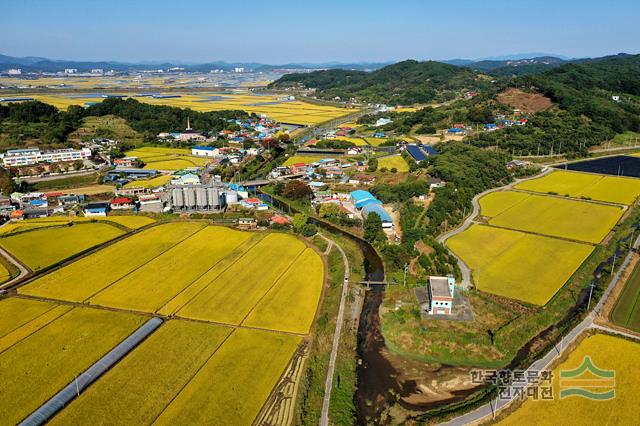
[279, 32]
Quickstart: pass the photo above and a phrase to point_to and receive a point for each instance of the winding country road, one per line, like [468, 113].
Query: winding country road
[22, 268]
[470, 219]
[490, 409]
[328, 385]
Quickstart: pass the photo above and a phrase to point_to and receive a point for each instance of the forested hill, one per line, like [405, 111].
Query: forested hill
[594, 101]
[587, 89]
[406, 82]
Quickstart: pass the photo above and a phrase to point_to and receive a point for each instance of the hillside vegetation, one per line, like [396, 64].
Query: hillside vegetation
[37, 123]
[570, 108]
[406, 82]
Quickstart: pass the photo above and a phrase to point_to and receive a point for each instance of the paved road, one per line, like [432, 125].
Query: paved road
[23, 269]
[464, 269]
[56, 177]
[328, 384]
[490, 409]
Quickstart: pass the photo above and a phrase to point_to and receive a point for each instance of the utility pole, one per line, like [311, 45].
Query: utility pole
[404, 279]
[613, 265]
[590, 294]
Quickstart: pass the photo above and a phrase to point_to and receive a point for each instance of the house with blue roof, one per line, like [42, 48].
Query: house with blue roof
[205, 151]
[359, 197]
[377, 208]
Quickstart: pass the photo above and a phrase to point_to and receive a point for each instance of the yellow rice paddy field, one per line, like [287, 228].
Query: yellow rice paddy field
[149, 183]
[607, 353]
[238, 377]
[553, 216]
[394, 161]
[167, 158]
[307, 159]
[518, 265]
[158, 369]
[530, 244]
[87, 190]
[196, 265]
[34, 368]
[355, 141]
[128, 221]
[276, 108]
[44, 247]
[613, 189]
[109, 264]
[255, 293]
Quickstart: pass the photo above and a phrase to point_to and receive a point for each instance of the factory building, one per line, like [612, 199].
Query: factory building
[198, 198]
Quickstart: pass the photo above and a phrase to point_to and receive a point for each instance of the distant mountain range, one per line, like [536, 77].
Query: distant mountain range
[38, 64]
[506, 65]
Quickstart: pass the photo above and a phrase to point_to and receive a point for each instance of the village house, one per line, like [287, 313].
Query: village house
[205, 151]
[362, 179]
[96, 209]
[247, 223]
[126, 162]
[121, 203]
[441, 291]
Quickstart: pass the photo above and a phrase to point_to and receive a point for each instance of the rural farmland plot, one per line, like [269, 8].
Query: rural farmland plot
[612, 189]
[138, 389]
[552, 216]
[44, 247]
[626, 311]
[517, 265]
[89, 275]
[35, 368]
[527, 245]
[255, 295]
[607, 353]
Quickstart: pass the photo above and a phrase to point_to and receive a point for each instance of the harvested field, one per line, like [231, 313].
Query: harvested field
[607, 353]
[610, 189]
[553, 216]
[138, 389]
[517, 265]
[44, 247]
[524, 101]
[34, 369]
[238, 377]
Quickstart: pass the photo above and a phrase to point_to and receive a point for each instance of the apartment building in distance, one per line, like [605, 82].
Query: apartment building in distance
[32, 156]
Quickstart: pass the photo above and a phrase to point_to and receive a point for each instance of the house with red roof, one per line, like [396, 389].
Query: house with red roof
[121, 203]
